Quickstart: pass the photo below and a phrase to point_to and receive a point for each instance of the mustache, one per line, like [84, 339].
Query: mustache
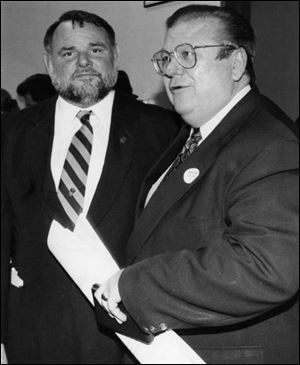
[86, 71]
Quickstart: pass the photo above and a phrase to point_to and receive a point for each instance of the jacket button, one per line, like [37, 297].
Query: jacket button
[152, 329]
[163, 327]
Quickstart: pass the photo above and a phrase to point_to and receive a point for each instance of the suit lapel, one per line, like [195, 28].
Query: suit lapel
[160, 166]
[43, 133]
[175, 186]
[118, 158]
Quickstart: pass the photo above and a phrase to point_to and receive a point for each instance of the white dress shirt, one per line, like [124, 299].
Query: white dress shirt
[66, 125]
[205, 130]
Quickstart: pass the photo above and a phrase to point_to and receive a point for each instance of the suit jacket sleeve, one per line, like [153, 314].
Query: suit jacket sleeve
[250, 268]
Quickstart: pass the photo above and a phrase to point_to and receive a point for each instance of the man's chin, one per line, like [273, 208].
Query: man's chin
[84, 89]
[85, 81]
[85, 97]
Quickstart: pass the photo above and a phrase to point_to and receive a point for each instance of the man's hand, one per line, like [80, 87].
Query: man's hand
[108, 296]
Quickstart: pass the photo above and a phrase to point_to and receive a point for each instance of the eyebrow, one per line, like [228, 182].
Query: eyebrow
[65, 49]
[99, 44]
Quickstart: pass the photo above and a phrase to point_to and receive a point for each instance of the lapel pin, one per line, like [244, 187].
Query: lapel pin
[123, 139]
[190, 175]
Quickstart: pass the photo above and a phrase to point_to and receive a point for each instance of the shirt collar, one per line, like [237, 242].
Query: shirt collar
[102, 110]
[210, 125]
[65, 114]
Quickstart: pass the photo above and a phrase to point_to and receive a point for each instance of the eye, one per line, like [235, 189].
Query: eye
[97, 50]
[186, 54]
[164, 58]
[68, 54]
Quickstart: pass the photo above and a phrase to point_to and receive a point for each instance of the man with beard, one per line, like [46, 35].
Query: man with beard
[83, 152]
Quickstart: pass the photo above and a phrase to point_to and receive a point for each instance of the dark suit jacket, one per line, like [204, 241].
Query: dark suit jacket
[49, 320]
[217, 258]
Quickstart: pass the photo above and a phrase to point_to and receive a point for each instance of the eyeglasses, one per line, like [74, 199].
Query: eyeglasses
[185, 55]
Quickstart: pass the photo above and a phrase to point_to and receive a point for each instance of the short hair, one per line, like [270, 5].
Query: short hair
[39, 86]
[237, 29]
[79, 17]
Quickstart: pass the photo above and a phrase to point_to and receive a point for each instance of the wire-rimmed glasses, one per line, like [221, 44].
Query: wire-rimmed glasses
[185, 55]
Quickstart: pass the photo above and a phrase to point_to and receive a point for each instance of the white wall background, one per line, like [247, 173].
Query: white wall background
[139, 33]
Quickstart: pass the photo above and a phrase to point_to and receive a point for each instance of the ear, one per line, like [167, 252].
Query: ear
[239, 64]
[116, 56]
[48, 62]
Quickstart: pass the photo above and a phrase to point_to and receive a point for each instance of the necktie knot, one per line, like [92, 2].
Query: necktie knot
[192, 142]
[189, 147]
[84, 116]
[196, 134]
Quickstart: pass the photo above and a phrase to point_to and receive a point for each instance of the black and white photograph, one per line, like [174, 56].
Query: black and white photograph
[149, 182]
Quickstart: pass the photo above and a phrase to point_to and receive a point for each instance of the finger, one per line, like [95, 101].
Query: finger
[104, 304]
[116, 311]
[102, 298]
[96, 286]
[98, 290]
[117, 319]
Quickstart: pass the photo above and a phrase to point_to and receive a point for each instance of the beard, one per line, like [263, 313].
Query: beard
[89, 90]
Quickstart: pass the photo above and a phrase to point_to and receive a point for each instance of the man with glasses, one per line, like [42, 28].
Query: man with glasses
[214, 251]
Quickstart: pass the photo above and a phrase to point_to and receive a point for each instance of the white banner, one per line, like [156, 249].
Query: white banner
[85, 258]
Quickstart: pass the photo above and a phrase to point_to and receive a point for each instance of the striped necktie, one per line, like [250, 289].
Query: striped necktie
[72, 185]
[189, 147]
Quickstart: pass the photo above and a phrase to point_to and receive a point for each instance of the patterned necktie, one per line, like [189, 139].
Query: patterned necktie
[189, 147]
[71, 189]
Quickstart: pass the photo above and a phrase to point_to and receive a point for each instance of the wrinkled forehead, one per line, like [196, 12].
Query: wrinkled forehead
[68, 33]
[202, 31]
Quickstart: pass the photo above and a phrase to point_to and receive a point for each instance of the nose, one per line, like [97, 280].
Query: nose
[83, 59]
[173, 68]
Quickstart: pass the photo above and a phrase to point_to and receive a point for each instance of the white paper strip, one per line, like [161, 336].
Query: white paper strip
[86, 259]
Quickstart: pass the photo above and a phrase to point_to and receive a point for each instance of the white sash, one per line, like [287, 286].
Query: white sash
[86, 259]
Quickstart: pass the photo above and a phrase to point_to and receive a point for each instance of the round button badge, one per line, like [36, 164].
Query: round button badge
[190, 175]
